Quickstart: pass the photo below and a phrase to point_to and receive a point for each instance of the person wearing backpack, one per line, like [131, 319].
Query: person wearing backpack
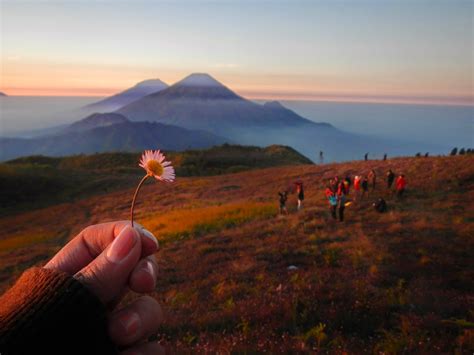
[300, 194]
[347, 183]
[357, 180]
[365, 187]
[390, 178]
[401, 185]
[283, 198]
[332, 199]
[341, 200]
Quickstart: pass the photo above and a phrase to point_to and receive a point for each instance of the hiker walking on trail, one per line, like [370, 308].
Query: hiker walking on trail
[390, 178]
[401, 185]
[321, 157]
[365, 187]
[385, 157]
[341, 200]
[366, 156]
[300, 193]
[332, 198]
[283, 198]
[372, 178]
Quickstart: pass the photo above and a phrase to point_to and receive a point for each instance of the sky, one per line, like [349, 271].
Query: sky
[354, 50]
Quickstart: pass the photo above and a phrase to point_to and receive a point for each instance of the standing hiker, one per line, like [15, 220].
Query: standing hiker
[385, 157]
[372, 178]
[365, 187]
[357, 179]
[300, 194]
[401, 185]
[390, 178]
[332, 198]
[341, 200]
[366, 156]
[283, 198]
[321, 158]
[347, 183]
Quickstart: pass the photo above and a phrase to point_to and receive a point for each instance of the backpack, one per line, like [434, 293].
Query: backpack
[380, 205]
[333, 200]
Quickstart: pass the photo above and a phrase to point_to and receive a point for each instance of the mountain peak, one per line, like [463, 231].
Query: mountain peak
[199, 79]
[3, 94]
[115, 102]
[151, 82]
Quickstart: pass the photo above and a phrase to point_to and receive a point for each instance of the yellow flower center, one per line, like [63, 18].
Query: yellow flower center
[154, 168]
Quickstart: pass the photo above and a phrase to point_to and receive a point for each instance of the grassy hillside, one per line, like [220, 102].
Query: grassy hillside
[38, 181]
[237, 277]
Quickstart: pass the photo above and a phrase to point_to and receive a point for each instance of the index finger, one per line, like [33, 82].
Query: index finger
[91, 241]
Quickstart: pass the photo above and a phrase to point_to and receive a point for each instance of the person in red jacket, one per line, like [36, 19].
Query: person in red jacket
[332, 198]
[401, 184]
[357, 180]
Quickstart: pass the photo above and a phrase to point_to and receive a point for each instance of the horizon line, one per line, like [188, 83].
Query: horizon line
[256, 96]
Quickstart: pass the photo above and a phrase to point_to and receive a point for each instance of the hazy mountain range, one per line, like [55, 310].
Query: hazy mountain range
[123, 98]
[109, 132]
[195, 112]
[3, 94]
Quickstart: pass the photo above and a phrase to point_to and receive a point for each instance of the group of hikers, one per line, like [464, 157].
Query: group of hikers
[284, 197]
[338, 191]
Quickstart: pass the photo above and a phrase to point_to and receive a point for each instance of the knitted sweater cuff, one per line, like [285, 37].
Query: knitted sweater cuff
[47, 311]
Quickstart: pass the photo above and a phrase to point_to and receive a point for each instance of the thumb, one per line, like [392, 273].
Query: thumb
[107, 275]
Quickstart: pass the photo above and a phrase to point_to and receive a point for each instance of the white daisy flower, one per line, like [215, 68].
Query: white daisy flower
[153, 161]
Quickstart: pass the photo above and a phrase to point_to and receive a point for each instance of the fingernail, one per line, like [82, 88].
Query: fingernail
[122, 245]
[150, 236]
[151, 270]
[130, 322]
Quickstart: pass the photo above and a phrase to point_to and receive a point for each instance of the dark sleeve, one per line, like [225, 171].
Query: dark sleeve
[49, 312]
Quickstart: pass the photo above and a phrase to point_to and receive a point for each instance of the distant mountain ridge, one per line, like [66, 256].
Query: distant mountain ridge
[91, 135]
[3, 94]
[210, 113]
[130, 95]
[96, 120]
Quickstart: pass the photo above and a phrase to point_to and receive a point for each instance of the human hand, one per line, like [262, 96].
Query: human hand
[108, 259]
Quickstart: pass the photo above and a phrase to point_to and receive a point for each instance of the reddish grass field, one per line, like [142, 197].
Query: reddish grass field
[398, 282]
